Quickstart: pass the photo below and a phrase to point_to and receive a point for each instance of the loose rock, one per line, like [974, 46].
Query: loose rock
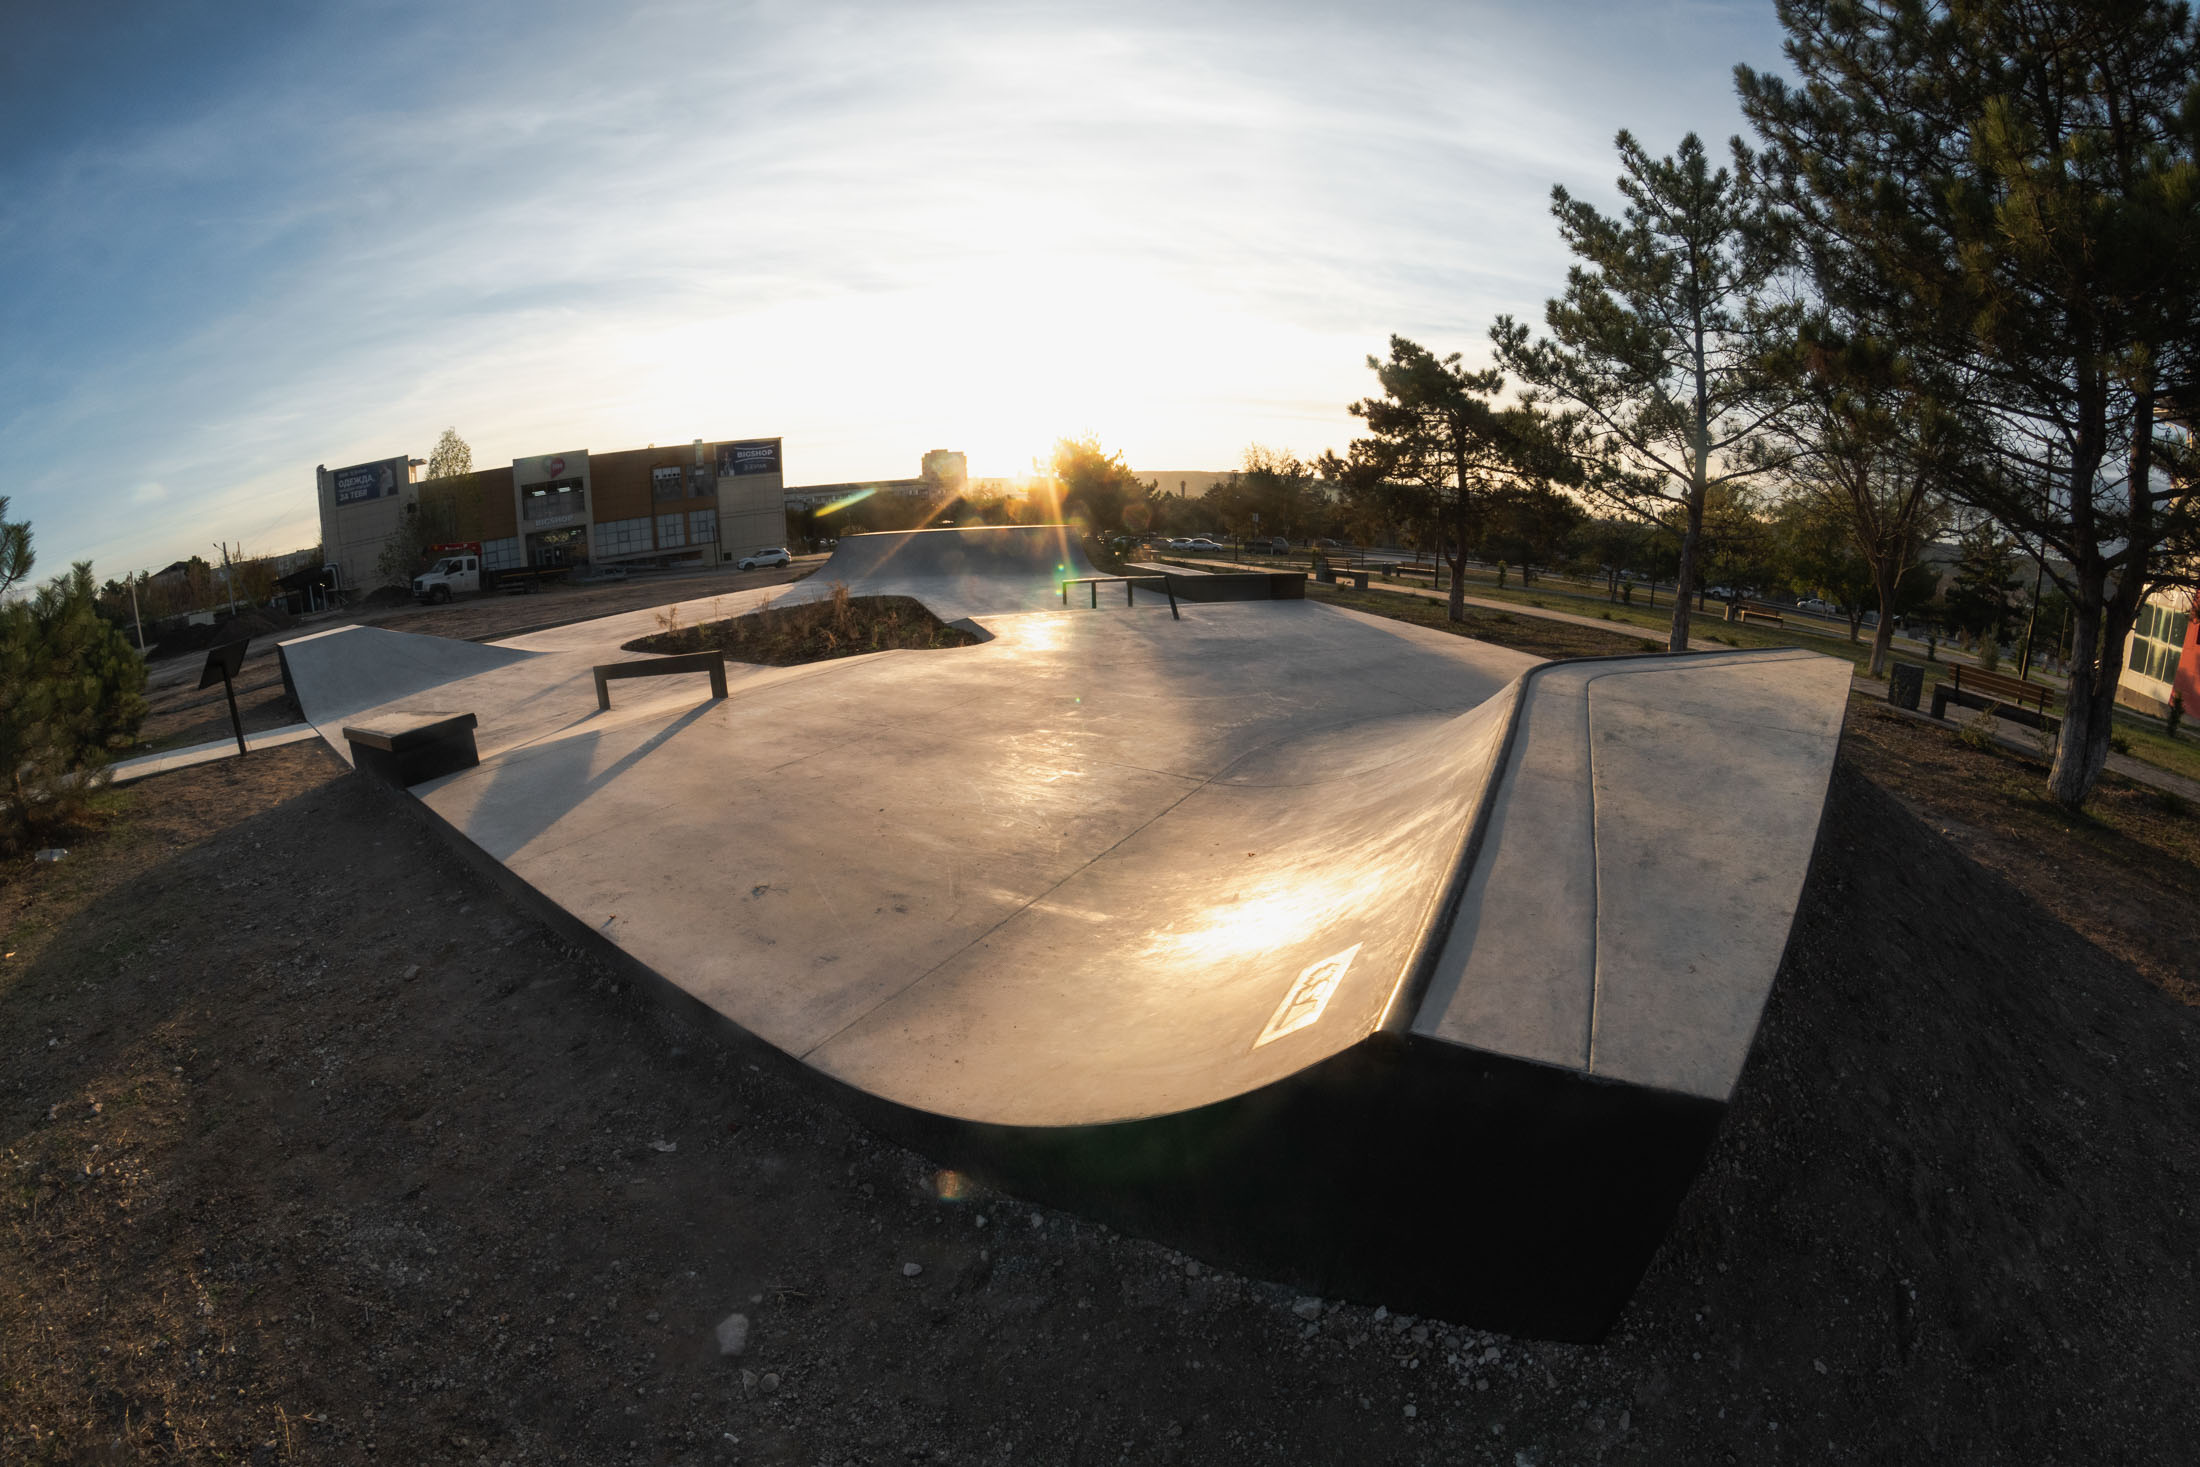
[733, 1334]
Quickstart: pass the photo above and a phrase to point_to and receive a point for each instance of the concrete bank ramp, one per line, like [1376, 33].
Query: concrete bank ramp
[1639, 865]
[956, 573]
[341, 671]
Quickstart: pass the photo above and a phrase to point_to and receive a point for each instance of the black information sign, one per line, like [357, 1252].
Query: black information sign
[222, 665]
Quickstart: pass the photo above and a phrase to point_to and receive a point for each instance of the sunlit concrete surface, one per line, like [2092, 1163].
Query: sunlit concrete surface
[1157, 915]
[957, 573]
[122, 771]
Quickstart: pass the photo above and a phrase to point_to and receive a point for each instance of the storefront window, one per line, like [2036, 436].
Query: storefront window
[552, 500]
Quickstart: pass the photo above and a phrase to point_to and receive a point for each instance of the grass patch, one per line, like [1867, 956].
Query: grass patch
[1534, 635]
[817, 631]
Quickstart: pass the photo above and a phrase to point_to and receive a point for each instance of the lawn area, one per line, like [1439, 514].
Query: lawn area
[1533, 635]
[2146, 738]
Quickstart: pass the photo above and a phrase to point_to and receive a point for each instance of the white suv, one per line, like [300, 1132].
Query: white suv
[765, 559]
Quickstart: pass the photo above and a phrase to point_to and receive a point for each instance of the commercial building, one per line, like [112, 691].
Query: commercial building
[696, 503]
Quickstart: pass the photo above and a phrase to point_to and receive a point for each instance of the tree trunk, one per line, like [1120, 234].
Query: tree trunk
[1856, 619]
[1685, 582]
[2082, 748]
[1456, 608]
[1883, 584]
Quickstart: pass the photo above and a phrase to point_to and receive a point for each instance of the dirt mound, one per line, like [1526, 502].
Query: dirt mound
[817, 631]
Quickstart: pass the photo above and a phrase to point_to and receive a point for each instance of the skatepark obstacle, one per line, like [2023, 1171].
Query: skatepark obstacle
[1358, 955]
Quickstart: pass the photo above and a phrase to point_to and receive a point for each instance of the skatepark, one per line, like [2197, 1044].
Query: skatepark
[1290, 936]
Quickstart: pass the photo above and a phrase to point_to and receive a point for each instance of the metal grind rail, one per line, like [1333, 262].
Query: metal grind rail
[1130, 590]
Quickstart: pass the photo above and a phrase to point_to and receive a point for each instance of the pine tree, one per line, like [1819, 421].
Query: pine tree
[1661, 340]
[2009, 187]
[70, 688]
[1442, 456]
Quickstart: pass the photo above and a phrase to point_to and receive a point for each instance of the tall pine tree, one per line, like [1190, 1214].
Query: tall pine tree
[2009, 186]
[1660, 344]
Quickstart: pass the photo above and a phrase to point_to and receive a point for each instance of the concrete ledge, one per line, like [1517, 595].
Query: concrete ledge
[410, 748]
[1238, 585]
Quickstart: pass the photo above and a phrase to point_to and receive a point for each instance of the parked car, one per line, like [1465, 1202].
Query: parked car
[1201, 543]
[1821, 608]
[766, 559]
[1723, 593]
[1279, 546]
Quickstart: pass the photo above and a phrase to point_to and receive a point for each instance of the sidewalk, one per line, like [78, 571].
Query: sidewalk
[126, 770]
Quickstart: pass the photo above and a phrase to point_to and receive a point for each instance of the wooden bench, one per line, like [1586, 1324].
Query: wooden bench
[409, 748]
[713, 663]
[1749, 611]
[1412, 570]
[2016, 699]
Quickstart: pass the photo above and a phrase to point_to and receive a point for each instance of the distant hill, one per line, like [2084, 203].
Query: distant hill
[1190, 482]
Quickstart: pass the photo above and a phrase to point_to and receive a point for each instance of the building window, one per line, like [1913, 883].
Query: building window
[502, 554]
[702, 482]
[2157, 642]
[664, 483]
[553, 500]
[702, 526]
[671, 531]
[623, 537]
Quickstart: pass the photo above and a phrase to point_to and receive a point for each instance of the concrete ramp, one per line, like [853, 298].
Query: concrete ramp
[344, 670]
[956, 573]
[1356, 954]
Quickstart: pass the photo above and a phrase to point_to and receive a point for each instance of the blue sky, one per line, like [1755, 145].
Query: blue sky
[242, 239]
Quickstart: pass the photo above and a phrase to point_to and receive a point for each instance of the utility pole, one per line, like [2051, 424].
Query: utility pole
[134, 616]
[2032, 620]
[228, 577]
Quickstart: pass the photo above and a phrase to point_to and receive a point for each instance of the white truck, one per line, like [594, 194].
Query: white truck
[457, 573]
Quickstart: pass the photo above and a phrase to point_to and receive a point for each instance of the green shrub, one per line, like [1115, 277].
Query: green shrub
[2120, 743]
[70, 694]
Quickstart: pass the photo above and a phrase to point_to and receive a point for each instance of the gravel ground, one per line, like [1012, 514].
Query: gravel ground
[312, 1149]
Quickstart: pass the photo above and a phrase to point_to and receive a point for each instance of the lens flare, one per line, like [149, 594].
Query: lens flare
[847, 499]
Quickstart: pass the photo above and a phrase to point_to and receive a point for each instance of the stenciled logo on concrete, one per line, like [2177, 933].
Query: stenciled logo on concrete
[1308, 996]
